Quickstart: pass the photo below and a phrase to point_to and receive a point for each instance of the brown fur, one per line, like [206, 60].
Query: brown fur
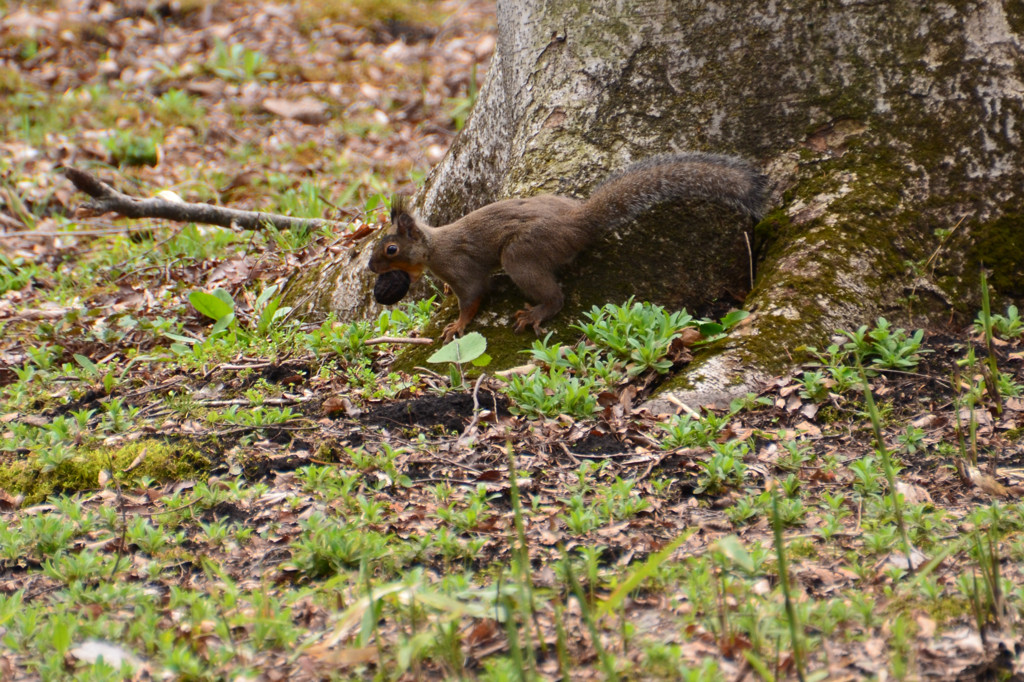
[531, 238]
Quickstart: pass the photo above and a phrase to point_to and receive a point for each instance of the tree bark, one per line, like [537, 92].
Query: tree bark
[891, 133]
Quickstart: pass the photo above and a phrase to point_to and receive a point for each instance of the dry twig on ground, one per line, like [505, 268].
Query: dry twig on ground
[106, 199]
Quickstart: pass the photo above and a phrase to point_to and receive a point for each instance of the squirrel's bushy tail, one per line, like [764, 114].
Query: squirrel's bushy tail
[717, 178]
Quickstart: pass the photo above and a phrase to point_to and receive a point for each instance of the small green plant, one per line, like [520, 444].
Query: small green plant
[409, 317]
[795, 455]
[68, 568]
[268, 310]
[237, 63]
[745, 510]
[218, 306]
[1008, 327]
[346, 340]
[552, 393]
[889, 468]
[749, 402]
[178, 107]
[866, 476]
[796, 632]
[469, 348]
[15, 273]
[813, 386]
[620, 341]
[581, 518]
[884, 347]
[912, 439]
[636, 334]
[129, 149]
[688, 431]
[304, 201]
[724, 469]
[327, 546]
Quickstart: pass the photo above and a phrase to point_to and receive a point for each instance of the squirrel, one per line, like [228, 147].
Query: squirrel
[531, 238]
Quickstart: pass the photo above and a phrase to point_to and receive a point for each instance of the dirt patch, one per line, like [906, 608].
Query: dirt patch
[451, 411]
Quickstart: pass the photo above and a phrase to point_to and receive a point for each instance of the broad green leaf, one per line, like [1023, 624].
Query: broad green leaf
[732, 548]
[212, 305]
[86, 363]
[188, 340]
[222, 324]
[224, 296]
[710, 329]
[265, 296]
[464, 349]
[267, 316]
[733, 318]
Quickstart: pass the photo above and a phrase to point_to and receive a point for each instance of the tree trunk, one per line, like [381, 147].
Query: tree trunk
[891, 133]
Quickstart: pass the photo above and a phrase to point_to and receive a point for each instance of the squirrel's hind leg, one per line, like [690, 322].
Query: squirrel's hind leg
[539, 284]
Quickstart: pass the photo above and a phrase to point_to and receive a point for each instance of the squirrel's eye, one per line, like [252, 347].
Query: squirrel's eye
[392, 250]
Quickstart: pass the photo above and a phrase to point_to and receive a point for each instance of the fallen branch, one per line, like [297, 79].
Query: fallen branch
[106, 199]
[420, 340]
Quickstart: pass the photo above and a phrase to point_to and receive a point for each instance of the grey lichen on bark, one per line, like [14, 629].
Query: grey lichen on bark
[879, 124]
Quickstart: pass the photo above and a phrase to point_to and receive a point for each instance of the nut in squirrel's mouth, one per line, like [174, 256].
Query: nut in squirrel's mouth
[391, 286]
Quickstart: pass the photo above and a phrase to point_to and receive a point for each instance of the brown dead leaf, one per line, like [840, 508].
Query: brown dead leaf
[925, 626]
[688, 336]
[306, 109]
[348, 656]
[913, 494]
[809, 410]
[138, 460]
[10, 502]
[482, 631]
[234, 271]
[987, 483]
[337, 405]
[806, 428]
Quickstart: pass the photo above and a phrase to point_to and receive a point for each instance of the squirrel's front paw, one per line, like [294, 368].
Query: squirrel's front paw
[528, 318]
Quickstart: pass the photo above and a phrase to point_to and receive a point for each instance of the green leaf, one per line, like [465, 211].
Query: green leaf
[265, 296]
[733, 318]
[647, 569]
[222, 324]
[224, 296]
[267, 316]
[86, 364]
[731, 547]
[482, 361]
[187, 340]
[464, 349]
[212, 305]
[708, 329]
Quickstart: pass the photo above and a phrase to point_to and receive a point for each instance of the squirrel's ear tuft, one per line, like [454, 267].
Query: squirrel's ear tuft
[399, 206]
